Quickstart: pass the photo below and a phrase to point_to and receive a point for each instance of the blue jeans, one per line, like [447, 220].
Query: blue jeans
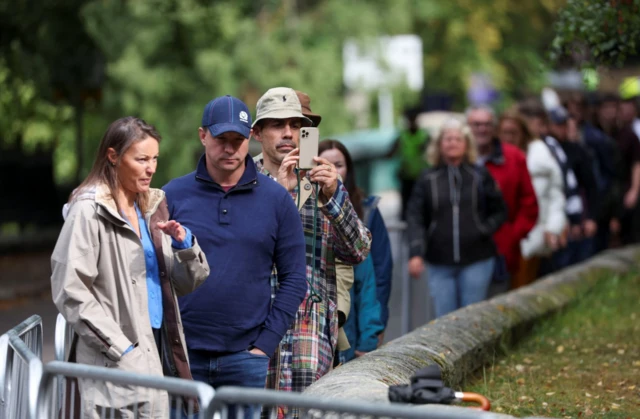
[452, 287]
[242, 369]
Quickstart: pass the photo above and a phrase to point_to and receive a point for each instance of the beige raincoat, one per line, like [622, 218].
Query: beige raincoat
[99, 286]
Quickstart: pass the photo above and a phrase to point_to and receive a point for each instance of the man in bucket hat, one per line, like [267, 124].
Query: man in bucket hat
[344, 272]
[332, 230]
[232, 325]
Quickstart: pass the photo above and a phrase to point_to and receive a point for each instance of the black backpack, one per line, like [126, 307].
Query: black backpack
[426, 387]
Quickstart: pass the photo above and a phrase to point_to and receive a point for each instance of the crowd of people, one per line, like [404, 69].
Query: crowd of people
[247, 271]
[509, 198]
[252, 272]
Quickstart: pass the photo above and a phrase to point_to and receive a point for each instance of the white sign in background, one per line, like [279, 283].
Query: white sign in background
[381, 64]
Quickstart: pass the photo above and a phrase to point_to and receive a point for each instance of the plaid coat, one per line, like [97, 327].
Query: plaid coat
[306, 352]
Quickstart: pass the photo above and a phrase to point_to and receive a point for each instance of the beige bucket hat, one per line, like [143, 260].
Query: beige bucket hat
[280, 103]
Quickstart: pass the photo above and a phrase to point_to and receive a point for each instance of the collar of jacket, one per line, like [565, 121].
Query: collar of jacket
[107, 206]
[248, 180]
[497, 155]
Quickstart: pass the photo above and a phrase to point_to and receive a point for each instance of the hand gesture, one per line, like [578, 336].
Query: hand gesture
[630, 199]
[326, 175]
[552, 241]
[173, 229]
[575, 232]
[286, 175]
[257, 351]
[416, 267]
[614, 226]
[590, 228]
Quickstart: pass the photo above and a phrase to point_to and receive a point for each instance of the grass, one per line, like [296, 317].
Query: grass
[582, 362]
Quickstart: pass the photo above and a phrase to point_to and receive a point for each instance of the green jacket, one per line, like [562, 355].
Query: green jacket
[412, 153]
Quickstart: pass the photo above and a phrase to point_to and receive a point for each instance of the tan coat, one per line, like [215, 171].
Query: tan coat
[344, 282]
[99, 286]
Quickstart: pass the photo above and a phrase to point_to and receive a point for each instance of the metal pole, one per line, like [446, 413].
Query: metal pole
[406, 284]
[385, 108]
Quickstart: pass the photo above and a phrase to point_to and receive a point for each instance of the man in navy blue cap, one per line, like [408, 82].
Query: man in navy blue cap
[245, 223]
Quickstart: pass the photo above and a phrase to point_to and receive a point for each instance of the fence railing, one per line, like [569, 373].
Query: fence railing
[63, 337]
[91, 391]
[20, 369]
[275, 402]
[62, 344]
[68, 390]
[398, 237]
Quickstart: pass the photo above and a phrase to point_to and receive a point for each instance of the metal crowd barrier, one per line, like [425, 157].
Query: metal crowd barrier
[63, 337]
[20, 369]
[68, 390]
[306, 406]
[91, 391]
[398, 236]
[62, 343]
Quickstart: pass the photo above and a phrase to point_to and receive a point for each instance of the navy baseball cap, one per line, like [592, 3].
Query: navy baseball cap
[227, 113]
[558, 115]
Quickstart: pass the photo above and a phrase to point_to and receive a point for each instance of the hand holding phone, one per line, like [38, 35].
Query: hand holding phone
[326, 175]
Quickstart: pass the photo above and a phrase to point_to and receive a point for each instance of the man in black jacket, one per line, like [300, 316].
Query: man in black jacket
[583, 205]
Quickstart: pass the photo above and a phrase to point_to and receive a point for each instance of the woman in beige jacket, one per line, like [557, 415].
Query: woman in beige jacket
[118, 267]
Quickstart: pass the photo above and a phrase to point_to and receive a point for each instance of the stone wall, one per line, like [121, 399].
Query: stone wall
[468, 338]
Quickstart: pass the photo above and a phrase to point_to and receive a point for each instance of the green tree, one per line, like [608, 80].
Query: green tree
[592, 33]
[164, 59]
[49, 67]
[167, 58]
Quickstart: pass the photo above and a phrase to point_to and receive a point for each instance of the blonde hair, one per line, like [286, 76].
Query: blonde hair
[433, 151]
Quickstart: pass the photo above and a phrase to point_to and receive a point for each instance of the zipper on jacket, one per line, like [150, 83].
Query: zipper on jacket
[456, 233]
[455, 187]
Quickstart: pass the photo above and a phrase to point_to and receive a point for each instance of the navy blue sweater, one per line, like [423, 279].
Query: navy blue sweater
[243, 232]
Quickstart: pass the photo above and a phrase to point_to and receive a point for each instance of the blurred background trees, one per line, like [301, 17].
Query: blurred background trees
[70, 67]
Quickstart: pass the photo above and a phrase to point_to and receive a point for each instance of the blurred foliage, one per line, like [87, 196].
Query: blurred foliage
[48, 68]
[596, 32]
[164, 59]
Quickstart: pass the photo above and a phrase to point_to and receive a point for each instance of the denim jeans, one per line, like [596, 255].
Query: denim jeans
[452, 287]
[242, 369]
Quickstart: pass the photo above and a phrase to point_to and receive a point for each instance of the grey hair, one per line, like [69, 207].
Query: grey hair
[486, 108]
[433, 150]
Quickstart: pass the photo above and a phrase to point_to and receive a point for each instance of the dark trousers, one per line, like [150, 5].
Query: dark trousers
[628, 227]
[576, 251]
[602, 238]
[406, 188]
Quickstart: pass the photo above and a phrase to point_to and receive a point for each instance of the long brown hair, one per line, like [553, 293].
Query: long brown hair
[516, 117]
[120, 135]
[355, 194]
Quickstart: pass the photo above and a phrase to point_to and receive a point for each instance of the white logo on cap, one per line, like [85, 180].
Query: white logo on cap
[244, 117]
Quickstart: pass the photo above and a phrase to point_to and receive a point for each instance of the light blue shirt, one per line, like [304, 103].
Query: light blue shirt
[154, 291]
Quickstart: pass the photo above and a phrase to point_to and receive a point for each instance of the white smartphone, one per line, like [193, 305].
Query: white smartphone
[309, 139]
